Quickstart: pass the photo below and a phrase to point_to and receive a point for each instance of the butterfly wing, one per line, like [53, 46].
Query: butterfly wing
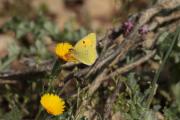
[85, 49]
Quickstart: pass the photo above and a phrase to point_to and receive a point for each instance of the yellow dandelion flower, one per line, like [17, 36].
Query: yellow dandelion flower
[53, 104]
[63, 50]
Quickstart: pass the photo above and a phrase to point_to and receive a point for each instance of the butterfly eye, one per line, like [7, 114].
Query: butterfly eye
[83, 42]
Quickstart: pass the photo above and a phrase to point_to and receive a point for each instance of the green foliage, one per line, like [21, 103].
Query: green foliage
[14, 114]
[42, 27]
[13, 52]
[131, 103]
[39, 28]
[164, 43]
[172, 113]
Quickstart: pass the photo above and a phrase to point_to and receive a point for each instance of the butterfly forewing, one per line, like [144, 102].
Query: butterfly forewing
[85, 49]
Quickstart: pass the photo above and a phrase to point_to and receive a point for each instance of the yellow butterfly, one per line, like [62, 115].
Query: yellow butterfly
[85, 49]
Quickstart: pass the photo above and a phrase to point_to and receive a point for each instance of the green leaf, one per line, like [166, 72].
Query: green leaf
[172, 113]
[176, 91]
[150, 115]
[13, 52]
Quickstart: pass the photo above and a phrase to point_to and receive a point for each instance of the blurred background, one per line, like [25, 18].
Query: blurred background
[85, 13]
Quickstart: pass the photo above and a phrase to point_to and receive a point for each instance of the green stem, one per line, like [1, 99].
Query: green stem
[55, 71]
[156, 77]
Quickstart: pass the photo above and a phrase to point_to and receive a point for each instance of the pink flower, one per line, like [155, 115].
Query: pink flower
[127, 27]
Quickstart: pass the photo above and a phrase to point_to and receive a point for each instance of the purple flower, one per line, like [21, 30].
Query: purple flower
[127, 27]
[143, 30]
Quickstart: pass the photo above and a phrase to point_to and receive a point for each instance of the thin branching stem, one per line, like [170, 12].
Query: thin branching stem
[156, 77]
